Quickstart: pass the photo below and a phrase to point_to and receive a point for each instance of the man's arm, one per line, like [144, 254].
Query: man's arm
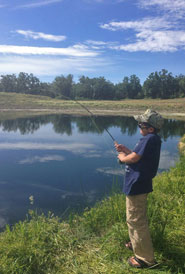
[130, 158]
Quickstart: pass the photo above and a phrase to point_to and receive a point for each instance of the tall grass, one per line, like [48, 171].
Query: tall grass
[94, 242]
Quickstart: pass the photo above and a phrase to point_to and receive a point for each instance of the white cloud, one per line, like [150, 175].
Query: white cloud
[38, 4]
[98, 45]
[50, 66]
[156, 41]
[149, 23]
[76, 50]
[163, 33]
[152, 34]
[41, 35]
[172, 6]
[44, 159]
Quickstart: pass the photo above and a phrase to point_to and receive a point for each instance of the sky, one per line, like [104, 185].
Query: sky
[94, 38]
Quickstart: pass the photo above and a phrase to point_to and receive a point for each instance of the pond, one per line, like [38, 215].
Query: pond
[67, 163]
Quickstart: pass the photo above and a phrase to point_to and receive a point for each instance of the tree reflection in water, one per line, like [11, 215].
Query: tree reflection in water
[63, 124]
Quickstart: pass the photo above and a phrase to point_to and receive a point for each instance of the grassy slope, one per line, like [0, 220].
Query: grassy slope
[94, 243]
[13, 101]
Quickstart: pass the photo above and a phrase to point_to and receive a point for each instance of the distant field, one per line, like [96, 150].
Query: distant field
[18, 105]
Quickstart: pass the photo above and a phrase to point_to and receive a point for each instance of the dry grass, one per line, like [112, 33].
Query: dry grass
[42, 104]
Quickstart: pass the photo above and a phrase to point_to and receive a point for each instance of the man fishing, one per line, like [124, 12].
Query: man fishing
[141, 167]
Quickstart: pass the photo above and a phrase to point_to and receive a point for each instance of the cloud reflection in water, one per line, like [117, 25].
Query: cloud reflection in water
[44, 159]
[73, 147]
[111, 171]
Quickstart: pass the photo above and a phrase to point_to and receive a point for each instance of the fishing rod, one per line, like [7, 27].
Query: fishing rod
[92, 116]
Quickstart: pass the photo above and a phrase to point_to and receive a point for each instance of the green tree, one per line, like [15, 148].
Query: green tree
[62, 86]
[8, 83]
[23, 82]
[161, 85]
[168, 87]
[94, 88]
[135, 88]
[181, 85]
[34, 85]
[28, 83]
[129, 88]
[102, 89]
[83, 89]
[122, 89]
[151, 86]
[46, 90]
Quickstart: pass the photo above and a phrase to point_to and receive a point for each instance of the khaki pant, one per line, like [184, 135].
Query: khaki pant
[136, 212]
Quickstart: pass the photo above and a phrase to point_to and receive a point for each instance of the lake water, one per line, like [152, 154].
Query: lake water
[67, 163]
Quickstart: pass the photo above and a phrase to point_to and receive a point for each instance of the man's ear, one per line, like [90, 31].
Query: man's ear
[151, 129]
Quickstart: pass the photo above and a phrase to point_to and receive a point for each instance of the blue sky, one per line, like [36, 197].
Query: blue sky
[110, 38]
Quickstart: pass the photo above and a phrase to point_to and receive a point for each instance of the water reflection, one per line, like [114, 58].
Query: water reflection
[66, 162]
[63, 124]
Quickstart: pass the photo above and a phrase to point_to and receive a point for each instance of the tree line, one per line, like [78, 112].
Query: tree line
[160, 84]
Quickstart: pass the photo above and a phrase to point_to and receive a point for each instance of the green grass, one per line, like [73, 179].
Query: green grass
[94, 242]
[182, 145]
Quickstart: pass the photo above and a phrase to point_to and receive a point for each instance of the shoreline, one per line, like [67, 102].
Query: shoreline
[24, 113]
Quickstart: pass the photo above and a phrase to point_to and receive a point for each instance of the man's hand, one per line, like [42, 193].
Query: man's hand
[121, 156]
[122, 148]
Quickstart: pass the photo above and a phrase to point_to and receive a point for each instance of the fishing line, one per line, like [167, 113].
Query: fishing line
[92, 116]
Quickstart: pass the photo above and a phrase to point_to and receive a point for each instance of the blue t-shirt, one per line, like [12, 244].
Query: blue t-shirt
[138, 176]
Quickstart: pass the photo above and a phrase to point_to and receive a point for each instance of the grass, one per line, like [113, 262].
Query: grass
[21, 104]
[94, 242]
[182, 145]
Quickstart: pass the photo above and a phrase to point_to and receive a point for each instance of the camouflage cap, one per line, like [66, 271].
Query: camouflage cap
[151, 117]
